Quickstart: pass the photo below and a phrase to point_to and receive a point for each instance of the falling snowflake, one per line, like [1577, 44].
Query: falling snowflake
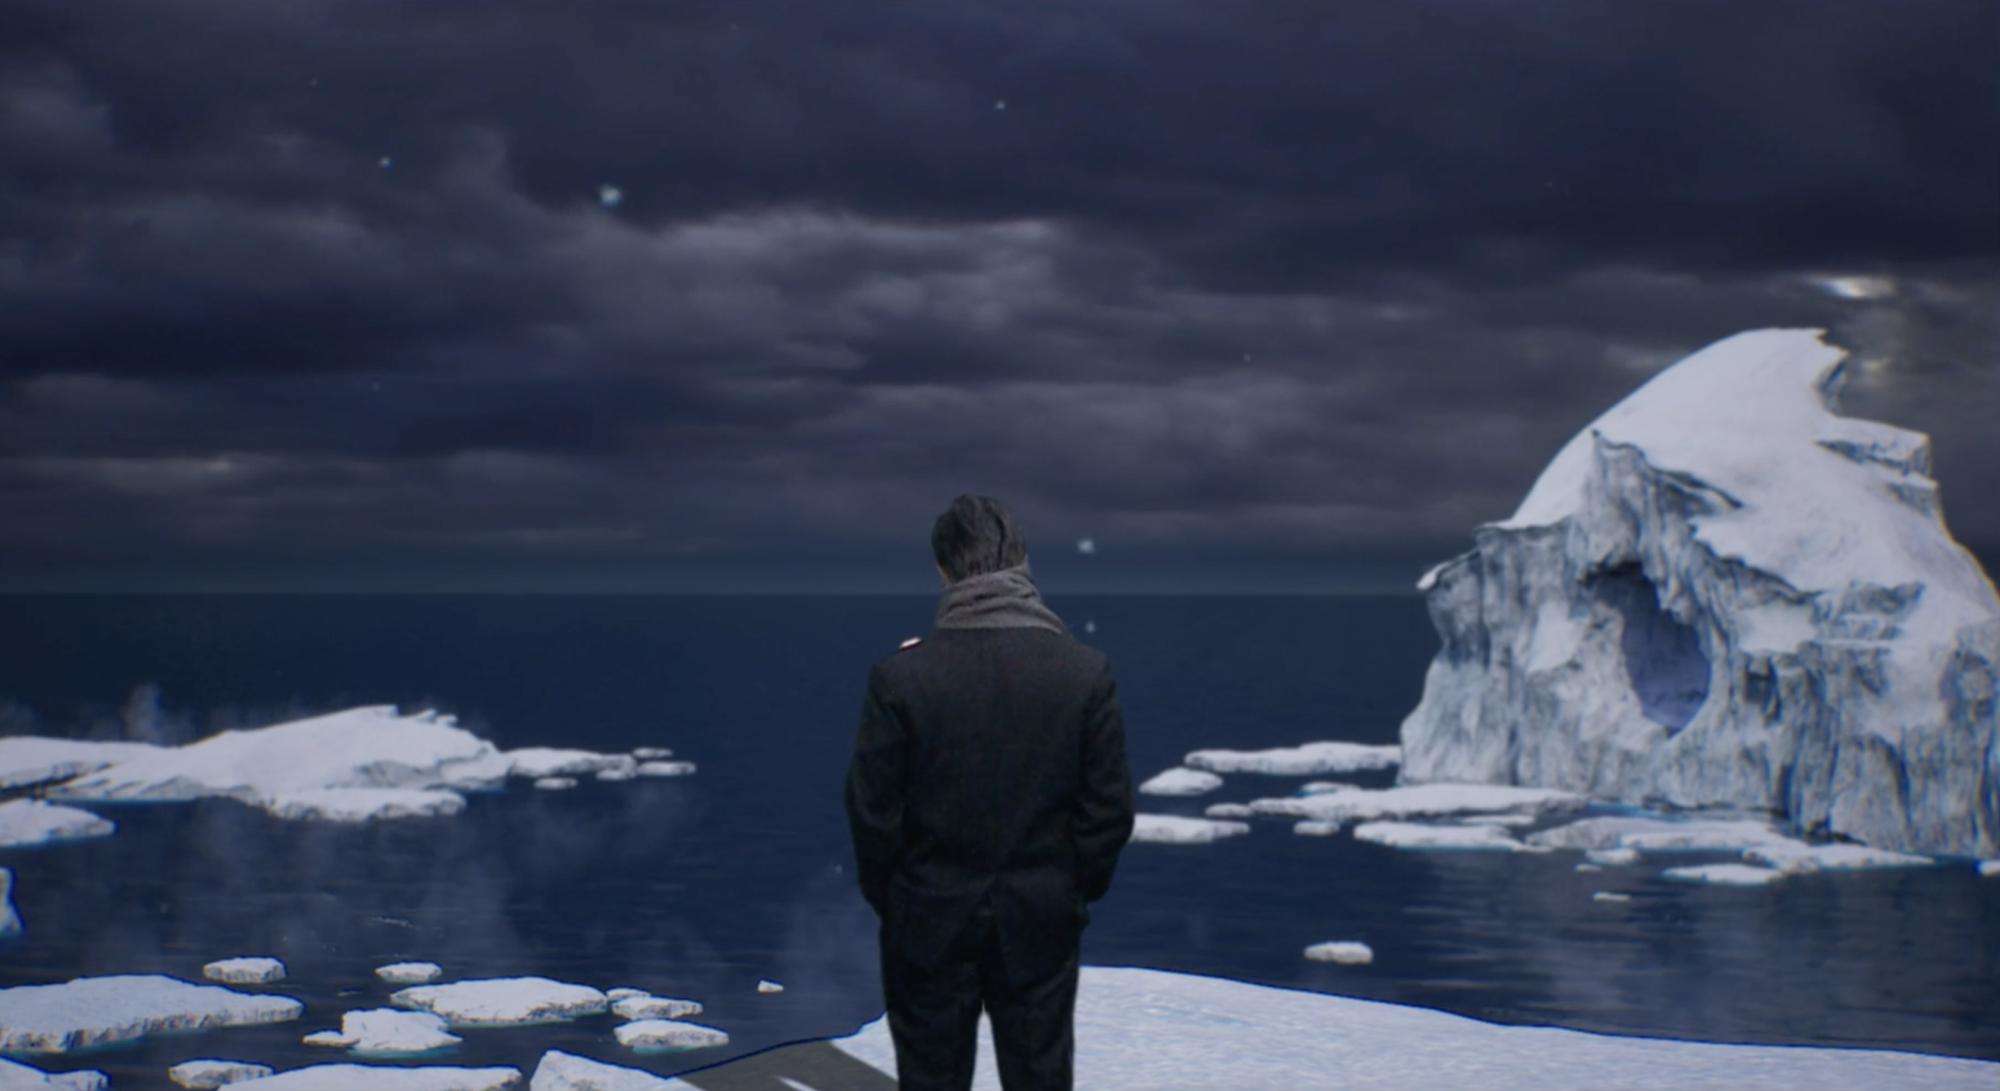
[610, 196]
[386, 162]
[1000, 104]
[1086, 545]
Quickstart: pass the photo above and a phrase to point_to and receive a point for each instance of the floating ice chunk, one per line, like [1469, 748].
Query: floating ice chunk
[1228, 810]
[1314, 786]
[665, 768]
[555, 784]
[36, 759]
[364, 804]
[1306, 760]
[1507, 820]
[1658, 834]
[769, 986]
[10, 918]
[1589, 867]
[615, 995]
[205, 1075]
[97, 1011]
[1612, 857]
[25, 822]
[1610, 896]
[332, 1038]
[1345, 952]
[373, 1077]
[618, 774]
[1178, 830]
[1989, 868]
[410, 973]
[503, 1001]
[1800, 856]
[1416, 835]
[644, 1006]
[559, 1071]
[541, 762]
[387, 1031]
[1314, 827]
[1416, 801]
[1725, 874]
[15, 1076]
[1181, 782]
[244, 971]
[667, 1034]
[301, 769]
[651, 753]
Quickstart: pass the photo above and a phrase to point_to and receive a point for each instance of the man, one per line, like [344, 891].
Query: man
[988, 798]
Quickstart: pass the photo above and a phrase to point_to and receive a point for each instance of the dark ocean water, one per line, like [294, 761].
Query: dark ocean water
[698, 887]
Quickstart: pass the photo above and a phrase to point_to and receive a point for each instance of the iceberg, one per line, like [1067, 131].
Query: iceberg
[643, 1006]
[387, 1031]
[354, 765]
[409, 973]
[205, 1075]
[15, 1076]
[503, 1001]
[1723, 593]
[1178, 830]
[767, 985]
[28, 760]
[667, 1035]
[244, 971]
[26, 822]
[1180, 781]
[559, 1071]
[1346, 952]
[1310, 759]
[369, 1077]
[98, 1011]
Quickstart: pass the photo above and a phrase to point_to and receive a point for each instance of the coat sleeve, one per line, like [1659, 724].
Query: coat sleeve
[1101, 822]
[875, 793]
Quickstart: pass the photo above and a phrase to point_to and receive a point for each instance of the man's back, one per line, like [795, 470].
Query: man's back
[989, 762]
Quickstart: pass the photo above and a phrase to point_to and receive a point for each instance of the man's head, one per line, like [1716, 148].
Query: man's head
[976, 534]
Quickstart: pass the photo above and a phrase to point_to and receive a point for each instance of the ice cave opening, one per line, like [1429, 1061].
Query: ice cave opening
[1663, 657]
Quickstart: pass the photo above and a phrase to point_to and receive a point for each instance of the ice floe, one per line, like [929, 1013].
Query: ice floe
[665, 768]
[542, 762]
[1309, 759]
[97, 1011]
[559, 1071]
[26, 822]
[503, 1001]
[387, 1031]
[1416, 801]
[1610, 896]
[356, 764]
[1315, 827]
[1178, 830]
[555, 784]
[1228, 810]
[645, 1006]
[1725, 874]
[205, 1075]
[1347, 952]
[1989, 868]
[667, 1034]
[410, 973]
[1180, 781]
[1417, 835]
[244, 971]
[651, 753]
[1797, 856]
[1143, 1030]
[1617, 857]
[10, 918]
[371, 1077]
[15, 1076]
[27, 760]
[623, 993]
[769, 986]
[617, 774]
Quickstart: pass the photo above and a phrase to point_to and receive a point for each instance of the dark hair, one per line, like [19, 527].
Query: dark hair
[976, 534]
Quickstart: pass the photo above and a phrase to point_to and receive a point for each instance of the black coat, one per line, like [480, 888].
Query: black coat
[989, 761]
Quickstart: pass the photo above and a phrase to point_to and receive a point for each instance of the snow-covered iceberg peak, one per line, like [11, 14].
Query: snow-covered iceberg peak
[1722, 592]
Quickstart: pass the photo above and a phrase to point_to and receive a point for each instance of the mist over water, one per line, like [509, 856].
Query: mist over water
[698, 887]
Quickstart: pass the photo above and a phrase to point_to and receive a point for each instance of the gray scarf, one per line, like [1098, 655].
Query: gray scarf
[1002, 599]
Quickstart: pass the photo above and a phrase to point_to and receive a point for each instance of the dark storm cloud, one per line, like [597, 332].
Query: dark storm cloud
[336, 283]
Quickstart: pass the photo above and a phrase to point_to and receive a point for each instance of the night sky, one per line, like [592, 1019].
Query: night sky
[1288, 296]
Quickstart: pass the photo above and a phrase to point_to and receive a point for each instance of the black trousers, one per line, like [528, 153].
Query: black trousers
[934, 1015]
